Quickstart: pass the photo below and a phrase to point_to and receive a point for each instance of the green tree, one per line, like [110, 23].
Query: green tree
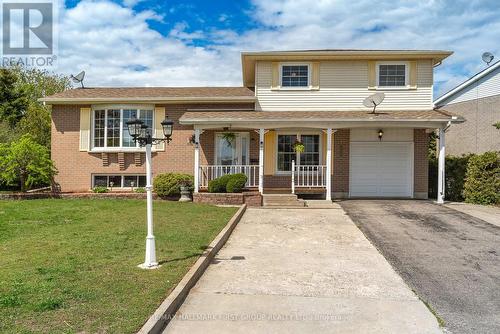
[497, 125]
[7, 134]
[36, 123]
[26, 163]
[13, 98]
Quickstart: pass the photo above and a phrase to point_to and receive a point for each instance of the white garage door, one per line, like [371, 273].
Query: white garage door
[381, 169]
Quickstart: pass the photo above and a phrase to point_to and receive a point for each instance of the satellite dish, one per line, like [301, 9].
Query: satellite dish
[78, 78]
[373, 101]
[488, 57]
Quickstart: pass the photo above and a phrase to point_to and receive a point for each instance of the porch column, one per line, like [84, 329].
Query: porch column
[196, 160]
[261, 161]
[329, 164]
[441, 167]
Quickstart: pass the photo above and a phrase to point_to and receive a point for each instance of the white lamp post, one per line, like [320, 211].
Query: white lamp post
[142, 134]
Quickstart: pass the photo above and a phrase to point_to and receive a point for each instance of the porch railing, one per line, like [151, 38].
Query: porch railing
[210, 172]
[309, 176]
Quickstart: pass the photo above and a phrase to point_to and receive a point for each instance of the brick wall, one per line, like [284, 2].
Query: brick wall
[476, 134]
[420, 163]
[340, 178]
[75, 168]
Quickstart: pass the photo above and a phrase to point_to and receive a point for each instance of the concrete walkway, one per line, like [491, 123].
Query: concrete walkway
[490, 214]
[300, 271]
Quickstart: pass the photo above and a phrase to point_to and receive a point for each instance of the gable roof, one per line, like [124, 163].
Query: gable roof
[151, 95]
[248, 58]
[467, 83]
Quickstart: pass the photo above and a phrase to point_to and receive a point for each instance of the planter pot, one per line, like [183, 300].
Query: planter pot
[185, 194]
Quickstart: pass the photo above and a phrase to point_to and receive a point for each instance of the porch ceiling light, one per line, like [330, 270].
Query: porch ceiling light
[380, 134]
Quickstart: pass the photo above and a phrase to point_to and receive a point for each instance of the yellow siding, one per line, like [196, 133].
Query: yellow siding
[85, 129]
[269, 152]
[343, 86]
[158, 133]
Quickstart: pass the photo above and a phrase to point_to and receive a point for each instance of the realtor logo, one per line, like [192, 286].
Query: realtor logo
[27, 28]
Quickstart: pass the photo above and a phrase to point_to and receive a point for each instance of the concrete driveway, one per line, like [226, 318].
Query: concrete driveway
[301, 271]
[449, 258]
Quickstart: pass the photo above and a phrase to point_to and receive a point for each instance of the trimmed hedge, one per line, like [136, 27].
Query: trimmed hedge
[482, 181]
[455, 169]
[236, 183]
[231, 183]
[168, 184]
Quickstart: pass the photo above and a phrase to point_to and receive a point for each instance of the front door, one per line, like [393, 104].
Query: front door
[232, 148]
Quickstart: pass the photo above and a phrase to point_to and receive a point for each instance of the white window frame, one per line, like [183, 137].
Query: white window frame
[122, 178]
[238, 146]
[297, 155]
[407, 73]
[309, 67]
[120, 107]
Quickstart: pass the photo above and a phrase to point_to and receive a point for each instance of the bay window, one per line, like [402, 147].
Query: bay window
[110, 128]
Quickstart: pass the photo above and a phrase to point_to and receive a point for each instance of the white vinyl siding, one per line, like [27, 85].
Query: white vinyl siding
[489, 85]
[343, 86]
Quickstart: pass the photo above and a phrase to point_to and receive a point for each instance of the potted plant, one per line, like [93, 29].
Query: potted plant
[229, 137]
[185, 187]
[298, 147]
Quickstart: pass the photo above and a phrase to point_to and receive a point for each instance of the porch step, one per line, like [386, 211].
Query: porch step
[321, 204]
[282, 200]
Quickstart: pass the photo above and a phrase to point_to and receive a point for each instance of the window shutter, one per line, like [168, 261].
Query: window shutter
[413, 74]
[85, 129]
[372, 75]
[158, 133]
[315, 75]
[275, 80]
[269, 152]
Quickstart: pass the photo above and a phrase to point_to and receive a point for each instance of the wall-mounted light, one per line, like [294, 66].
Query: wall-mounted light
[380, 134]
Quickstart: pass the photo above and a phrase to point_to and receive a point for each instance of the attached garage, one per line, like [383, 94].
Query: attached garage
[381, 168]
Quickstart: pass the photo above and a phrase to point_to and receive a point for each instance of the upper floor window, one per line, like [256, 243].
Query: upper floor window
[294, 76]
[392, 75]
[110, 128]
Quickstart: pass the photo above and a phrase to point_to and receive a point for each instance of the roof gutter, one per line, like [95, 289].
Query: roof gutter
[53, 101]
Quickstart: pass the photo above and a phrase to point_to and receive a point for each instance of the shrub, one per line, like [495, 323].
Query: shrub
[168, 184]
[140, 190]
[219, 184]
[482, 182]
[236, 183]
[26, 163]
[100, 189]
[455, 169]
[231, 183]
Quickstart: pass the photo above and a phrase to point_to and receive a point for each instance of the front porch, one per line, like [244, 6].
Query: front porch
[270, 162]
[344, 154]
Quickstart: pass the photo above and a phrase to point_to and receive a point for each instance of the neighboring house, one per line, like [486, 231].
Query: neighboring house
[315, 97]
[478, 101]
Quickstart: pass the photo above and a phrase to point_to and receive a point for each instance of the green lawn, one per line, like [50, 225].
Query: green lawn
[69, 266]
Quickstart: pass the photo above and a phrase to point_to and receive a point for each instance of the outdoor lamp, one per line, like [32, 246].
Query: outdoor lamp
[143, 131]
[167, 125]
[380, 134]
[134, 127]
[143, 135]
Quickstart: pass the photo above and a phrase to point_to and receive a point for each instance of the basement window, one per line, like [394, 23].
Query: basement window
[119, 181]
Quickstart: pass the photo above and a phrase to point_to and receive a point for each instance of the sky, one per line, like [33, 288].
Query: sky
[198, 43]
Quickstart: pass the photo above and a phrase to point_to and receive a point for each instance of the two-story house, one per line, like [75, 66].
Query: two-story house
[307, 99]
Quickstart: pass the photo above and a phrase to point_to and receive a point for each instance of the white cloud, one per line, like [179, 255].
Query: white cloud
[112, 47]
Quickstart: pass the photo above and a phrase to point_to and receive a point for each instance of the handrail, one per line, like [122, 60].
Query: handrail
[210, 172]
[311, 176]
